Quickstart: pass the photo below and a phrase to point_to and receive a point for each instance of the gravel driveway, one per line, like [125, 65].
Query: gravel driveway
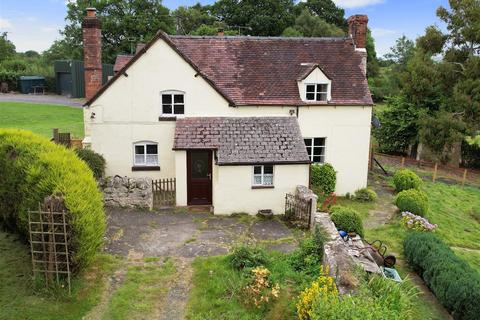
[43, 99]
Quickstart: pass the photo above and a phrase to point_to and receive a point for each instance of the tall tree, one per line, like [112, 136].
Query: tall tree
[188, 19]
[326, 10]
[309, 25]
[124, 23]
[7, 48]
[258, 18]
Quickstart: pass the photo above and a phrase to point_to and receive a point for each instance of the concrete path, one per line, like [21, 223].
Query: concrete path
[42, 99]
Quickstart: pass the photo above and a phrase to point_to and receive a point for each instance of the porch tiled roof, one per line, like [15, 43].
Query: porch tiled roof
[243, 140]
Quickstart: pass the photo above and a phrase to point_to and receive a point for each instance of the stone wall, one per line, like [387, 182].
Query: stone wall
[127, 192]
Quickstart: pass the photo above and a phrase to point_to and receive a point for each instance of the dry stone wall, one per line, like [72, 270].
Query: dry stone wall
[127, 192]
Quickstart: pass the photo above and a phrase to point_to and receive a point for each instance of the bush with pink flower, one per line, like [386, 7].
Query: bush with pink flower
[417, 223]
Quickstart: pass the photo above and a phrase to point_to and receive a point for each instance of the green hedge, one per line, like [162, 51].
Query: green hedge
[412, 200]
[347, 219]
[405, 179]
[452, 280]
[32, 168]
[96, 162]
[365, 194]
[324, 178]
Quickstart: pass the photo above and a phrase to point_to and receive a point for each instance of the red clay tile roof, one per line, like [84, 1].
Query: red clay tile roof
[121, 61]
[243, 140]
[265, 70]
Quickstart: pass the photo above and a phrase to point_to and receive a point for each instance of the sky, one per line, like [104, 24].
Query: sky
[34, 24]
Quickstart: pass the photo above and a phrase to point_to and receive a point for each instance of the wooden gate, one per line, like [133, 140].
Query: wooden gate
[164, 191]
[298, 210]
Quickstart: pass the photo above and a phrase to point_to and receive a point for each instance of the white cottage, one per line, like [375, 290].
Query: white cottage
[236, 120]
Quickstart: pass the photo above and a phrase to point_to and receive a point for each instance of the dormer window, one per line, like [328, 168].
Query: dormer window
[173, 103]
[316, 92]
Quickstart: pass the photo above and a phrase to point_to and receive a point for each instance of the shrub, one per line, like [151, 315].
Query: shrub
[451, 279]
[31, 168]
[412, 200]
[417, 223]
[245, 256]
[95, 161]
[308, 257]
[323, 288]
[365, 194]
[405, 179]
[259, 289]
[347, 219]
[324, 178]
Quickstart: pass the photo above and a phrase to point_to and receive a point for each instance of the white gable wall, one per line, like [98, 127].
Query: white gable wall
[129, 110]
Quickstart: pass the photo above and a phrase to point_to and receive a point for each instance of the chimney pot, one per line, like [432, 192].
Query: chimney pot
[357, 28]
[91, 12]
[221, 32]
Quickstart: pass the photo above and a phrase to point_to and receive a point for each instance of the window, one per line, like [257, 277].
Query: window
[146, 154]
[317, 92]
[316, 149]
[173, 103]
[263, 175]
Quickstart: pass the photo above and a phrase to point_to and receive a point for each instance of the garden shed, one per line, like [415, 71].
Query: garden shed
[31, 84]
[70, 77]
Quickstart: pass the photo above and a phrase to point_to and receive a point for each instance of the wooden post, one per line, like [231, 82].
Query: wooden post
[403, 162]
[435, 172]
[55, 135]
[464, 177]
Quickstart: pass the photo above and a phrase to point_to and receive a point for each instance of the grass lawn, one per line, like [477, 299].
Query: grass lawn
[42, 118]
[216, 292]
[20, 298]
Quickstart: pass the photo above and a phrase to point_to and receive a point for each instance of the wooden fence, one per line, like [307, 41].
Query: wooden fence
[298, 210]
[48, 233]
[164, 192]
[432, 170]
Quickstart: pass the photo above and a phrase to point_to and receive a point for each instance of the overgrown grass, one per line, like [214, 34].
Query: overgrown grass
[216, 290]
[142, 289]
[42, 118]
[20, 298]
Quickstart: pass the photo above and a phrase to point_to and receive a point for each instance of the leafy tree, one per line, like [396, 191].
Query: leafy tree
[432, 42]
[7, 48]
[212, 30]
[399, 126]
[309, 25]
[326, 10]
[61, 49]
[189, 19]
[261, 18]
[401, 52]
[441, 133]
[124, 23]
[462, 23]
[372, 61]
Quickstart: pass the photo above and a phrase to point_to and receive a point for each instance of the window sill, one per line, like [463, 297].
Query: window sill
[263, 187]
[145, 168]
[167, 118]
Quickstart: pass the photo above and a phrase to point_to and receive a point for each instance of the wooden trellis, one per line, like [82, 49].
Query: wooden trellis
[48, 230]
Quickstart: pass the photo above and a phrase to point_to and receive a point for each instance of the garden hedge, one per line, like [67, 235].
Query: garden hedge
[324, 178]
[405, 179]
[96, 162]
[452, 280]
[365, 194]
[32, 168]
[347, 219]
[412, 200]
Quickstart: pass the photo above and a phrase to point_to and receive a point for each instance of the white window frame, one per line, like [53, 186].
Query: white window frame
[172, 94]
[316, 92]
[312, 147]
[262, 176]
[144, 144]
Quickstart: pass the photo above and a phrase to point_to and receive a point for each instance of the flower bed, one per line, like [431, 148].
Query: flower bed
[417, 223]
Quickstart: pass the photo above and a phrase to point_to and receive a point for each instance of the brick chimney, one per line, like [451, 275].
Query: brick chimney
[357, 28]
[92, 52]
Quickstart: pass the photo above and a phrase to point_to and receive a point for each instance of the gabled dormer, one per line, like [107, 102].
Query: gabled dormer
[314, 86]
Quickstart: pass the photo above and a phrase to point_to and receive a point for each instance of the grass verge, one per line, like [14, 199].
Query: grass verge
[42, 118]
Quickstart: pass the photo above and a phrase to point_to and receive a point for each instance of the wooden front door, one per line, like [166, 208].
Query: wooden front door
[199, 177]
